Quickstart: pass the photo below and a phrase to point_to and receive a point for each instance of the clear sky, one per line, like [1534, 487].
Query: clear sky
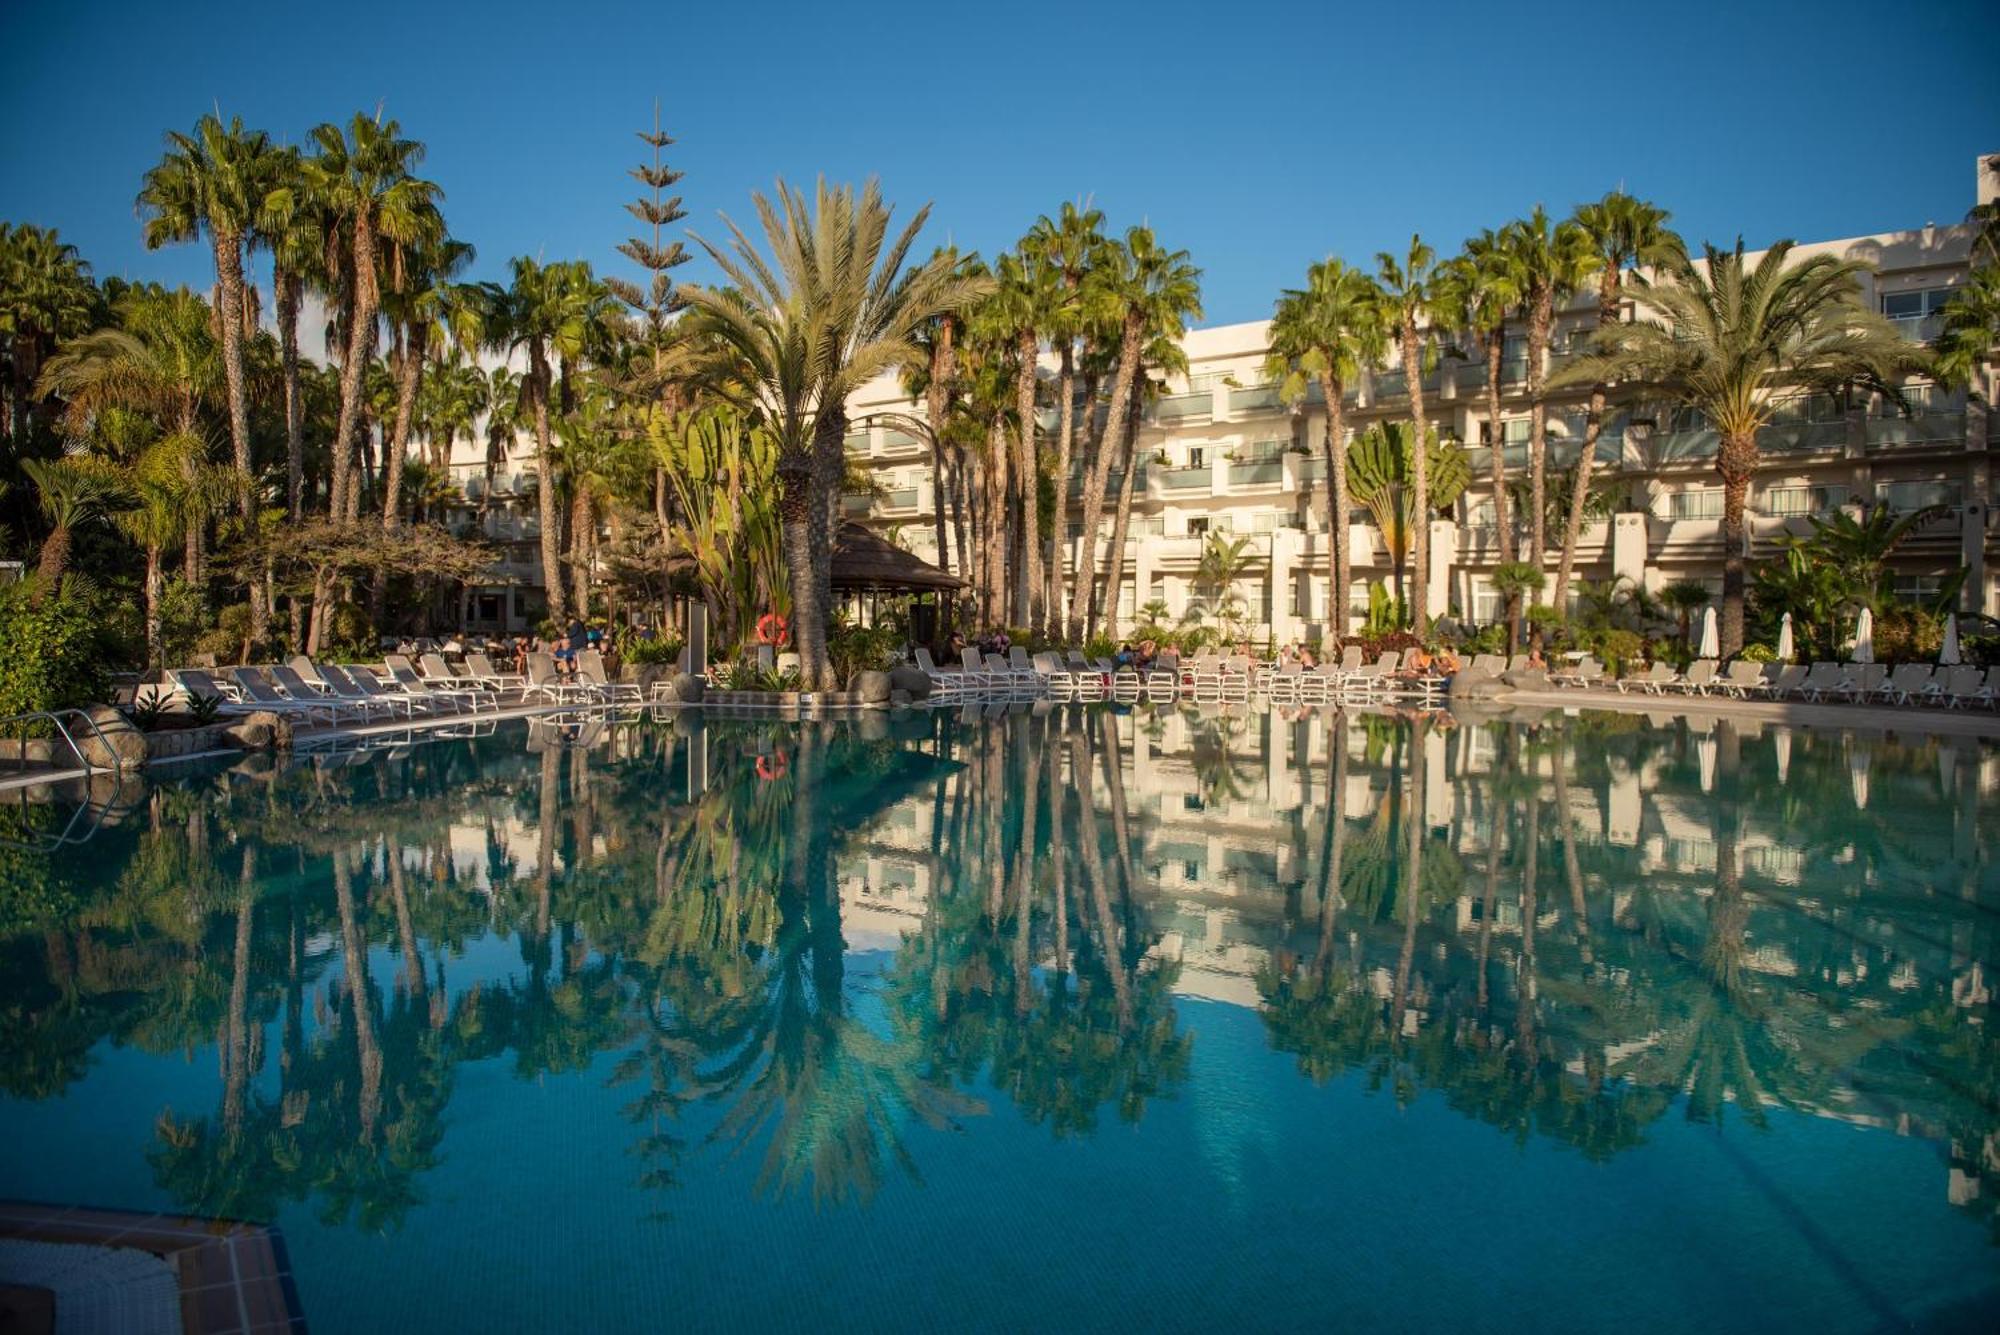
[1257, 135]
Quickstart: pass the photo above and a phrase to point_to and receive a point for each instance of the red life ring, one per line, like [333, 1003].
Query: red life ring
[772, 630]
[771, 767]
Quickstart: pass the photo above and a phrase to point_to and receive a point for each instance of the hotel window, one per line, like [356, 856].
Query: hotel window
[1197, 526]
[1796, 502]
[1903, 497]
[1704, 504]
[1917, 588]
[1263, 521]
[1197, 457]
[1915, 311]
[1487, 605]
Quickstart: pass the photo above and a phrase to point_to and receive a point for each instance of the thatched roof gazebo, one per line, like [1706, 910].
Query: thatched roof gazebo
[866, 562]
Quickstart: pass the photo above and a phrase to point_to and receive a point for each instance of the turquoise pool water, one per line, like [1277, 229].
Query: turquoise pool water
[1084, 1019]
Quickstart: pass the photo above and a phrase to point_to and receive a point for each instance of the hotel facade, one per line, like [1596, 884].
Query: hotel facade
[1223, 452]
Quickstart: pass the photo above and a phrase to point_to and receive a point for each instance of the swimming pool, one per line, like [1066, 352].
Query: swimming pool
[1069, 1017]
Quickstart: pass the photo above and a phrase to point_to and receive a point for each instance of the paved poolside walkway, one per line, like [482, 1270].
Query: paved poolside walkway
[1907, 719]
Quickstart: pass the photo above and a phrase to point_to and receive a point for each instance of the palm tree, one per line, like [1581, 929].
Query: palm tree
[1970, 328]
[164, 363]
[1620, 231]
[1326, 332]
[215, 180]
[1551, 261]
[1684, 597]
[1386, 468]
[1408, 286]
[832, 307]
[1163, 359]
[293, 223]
[1515, 581]
[421, 305]
[1076, 306]
[1728, 339]
[45, 296]
[1157, 290]
[533, 313]
[1021, 299]
[1224, 560]
[1482, 286]
[171, 488]
[362, 175]
[72, 492]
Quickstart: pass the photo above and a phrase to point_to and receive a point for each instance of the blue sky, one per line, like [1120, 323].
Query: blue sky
[1258, 136]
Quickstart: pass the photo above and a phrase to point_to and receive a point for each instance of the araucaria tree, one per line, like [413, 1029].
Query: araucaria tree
[1729, 338]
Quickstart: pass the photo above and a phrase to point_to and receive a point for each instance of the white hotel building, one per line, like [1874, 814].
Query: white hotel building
[1222, 452]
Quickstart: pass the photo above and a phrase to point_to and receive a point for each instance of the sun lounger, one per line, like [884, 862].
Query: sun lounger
[944, 685]
[191, 682]
[1785, 681]
[1742, 679]
[973, 669]
[1954, 687]
[295, 684]
[404, 674]
[479, 670]
[1859, 681]
[1697, 680]
[1058, 682]
[1910, 681]
[342, 685]
[1823, 679]
[263, 695]
[590, 672]
[1163, 682]
[1585, 672]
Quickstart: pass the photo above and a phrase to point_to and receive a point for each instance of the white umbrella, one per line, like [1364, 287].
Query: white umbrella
[1709, 644]
[1785, 639]
[1864, 638]
[1948, 656]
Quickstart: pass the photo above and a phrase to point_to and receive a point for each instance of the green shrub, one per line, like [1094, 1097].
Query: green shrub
[183, 619]
[1616, 649]
[856, 649]
[646, 653]
[1489, 640]
[232, 628]
[1758, 653]
[58, 655]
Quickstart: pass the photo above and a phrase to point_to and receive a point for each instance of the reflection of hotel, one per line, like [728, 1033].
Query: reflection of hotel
[1222, 453]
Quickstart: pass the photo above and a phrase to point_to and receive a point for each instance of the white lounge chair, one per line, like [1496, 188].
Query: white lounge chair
[479, 670]
[264, 695]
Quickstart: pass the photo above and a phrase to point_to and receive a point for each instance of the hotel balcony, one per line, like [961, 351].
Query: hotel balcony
[1196, 480]
[1260, 473]
[1254, 399]
[1184, 407]
[1932, 428]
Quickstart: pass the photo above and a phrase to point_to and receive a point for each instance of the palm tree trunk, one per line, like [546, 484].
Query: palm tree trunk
[1340, 570]
[156, 651]
[360, 995]
[1540, 316]
[55, 559]
[290, 288]
[1028, 579]
[937, 407]
[229, 274]
[1055, 564]
[581, 529]
[1110, 445]
[1114, 560]
[1736, 462]
[1503, 517]
[409, 382]
[829, 446]
[545, 488]
[1420, 486]
[1593, 428]
[354, 364]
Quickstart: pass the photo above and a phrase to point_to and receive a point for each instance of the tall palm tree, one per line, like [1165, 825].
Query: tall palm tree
[363, 176]
[1076, 304]
[215, 180]
[1728, 338]
[1326, 332]
[423, 301]
[45, 296]
[533, 313]
[1481, 288]
[1552, 260]
[171, 488]
[1163, 359]
[1020, 301]
[1970, 328]
[71, 492]
[504, 392]
[1158, 290]
[1621, 231]
[1409, 287]
[831, 307]
[294, 225]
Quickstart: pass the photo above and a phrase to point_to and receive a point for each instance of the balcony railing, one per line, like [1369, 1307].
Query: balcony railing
[1179, 407]
[1263, 472]
[1254, 398]
[1802, 437]
[899, 442]
[1918, 328]
[1187, 479]
[1310, 467]
[904, 498]
[1903, 497]
[854, 505]
[1921, 429]
[1803, 502]
[1680, 446]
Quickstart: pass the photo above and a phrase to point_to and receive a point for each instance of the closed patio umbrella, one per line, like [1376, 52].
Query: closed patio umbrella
[1949, 655]
[1785, 639]
[1864, 638]
[1710, 644]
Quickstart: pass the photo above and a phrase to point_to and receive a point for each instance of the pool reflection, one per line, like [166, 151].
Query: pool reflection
[813, 946]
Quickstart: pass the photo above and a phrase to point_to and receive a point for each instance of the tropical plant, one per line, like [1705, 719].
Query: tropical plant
[1224, 560]
[1515, 581]
[1551, 260]
[1386, 474]
[831, 307]
[1326, 333]
[1619, 232]
[45, 296]
[1478, 290]
[1683, 598]
[72, 492]
[1727, 338]
[1410, 293]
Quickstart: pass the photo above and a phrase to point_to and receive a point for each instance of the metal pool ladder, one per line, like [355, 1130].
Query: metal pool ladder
[67, 724]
